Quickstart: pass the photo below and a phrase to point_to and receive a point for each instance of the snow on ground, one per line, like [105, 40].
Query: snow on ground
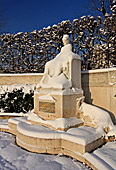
[13, 157]
[104, 157]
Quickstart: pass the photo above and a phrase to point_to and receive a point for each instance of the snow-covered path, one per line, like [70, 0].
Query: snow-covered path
[13, 157]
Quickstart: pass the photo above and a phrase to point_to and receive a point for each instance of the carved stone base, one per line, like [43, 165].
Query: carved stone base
[56, 104]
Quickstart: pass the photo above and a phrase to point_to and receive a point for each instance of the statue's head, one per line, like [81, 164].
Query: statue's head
[66, 39]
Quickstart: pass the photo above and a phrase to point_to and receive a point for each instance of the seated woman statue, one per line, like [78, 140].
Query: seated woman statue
[56, 74]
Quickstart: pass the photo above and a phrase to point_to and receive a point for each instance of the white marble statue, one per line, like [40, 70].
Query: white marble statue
[57, 71]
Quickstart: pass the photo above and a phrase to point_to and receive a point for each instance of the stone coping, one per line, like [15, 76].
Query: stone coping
[40, 74]
[11, 115]
[99, 70]
[21, 74]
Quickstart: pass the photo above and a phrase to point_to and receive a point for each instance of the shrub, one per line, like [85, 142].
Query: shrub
[17, 101]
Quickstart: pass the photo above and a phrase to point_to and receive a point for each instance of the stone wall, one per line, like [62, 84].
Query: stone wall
[9, 79]
[99, 86]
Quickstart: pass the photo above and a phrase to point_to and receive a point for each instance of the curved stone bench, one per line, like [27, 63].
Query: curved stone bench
[13, 122]
[43, 140]
[75, 142]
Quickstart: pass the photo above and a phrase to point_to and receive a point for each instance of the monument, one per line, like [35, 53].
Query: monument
[58, 91]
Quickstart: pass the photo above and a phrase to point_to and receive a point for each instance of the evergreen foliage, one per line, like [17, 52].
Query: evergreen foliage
[16, 101]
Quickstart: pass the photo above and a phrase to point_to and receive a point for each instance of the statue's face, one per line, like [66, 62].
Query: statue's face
[66, 39]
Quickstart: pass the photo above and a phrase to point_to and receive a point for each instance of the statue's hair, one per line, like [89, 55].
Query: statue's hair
[66, 38]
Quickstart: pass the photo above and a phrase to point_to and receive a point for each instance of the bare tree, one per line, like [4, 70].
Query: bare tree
[100, 7]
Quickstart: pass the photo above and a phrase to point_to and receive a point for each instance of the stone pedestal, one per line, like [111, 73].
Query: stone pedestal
[56, 104]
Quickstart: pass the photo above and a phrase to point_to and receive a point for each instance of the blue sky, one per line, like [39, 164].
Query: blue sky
[27, 15]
